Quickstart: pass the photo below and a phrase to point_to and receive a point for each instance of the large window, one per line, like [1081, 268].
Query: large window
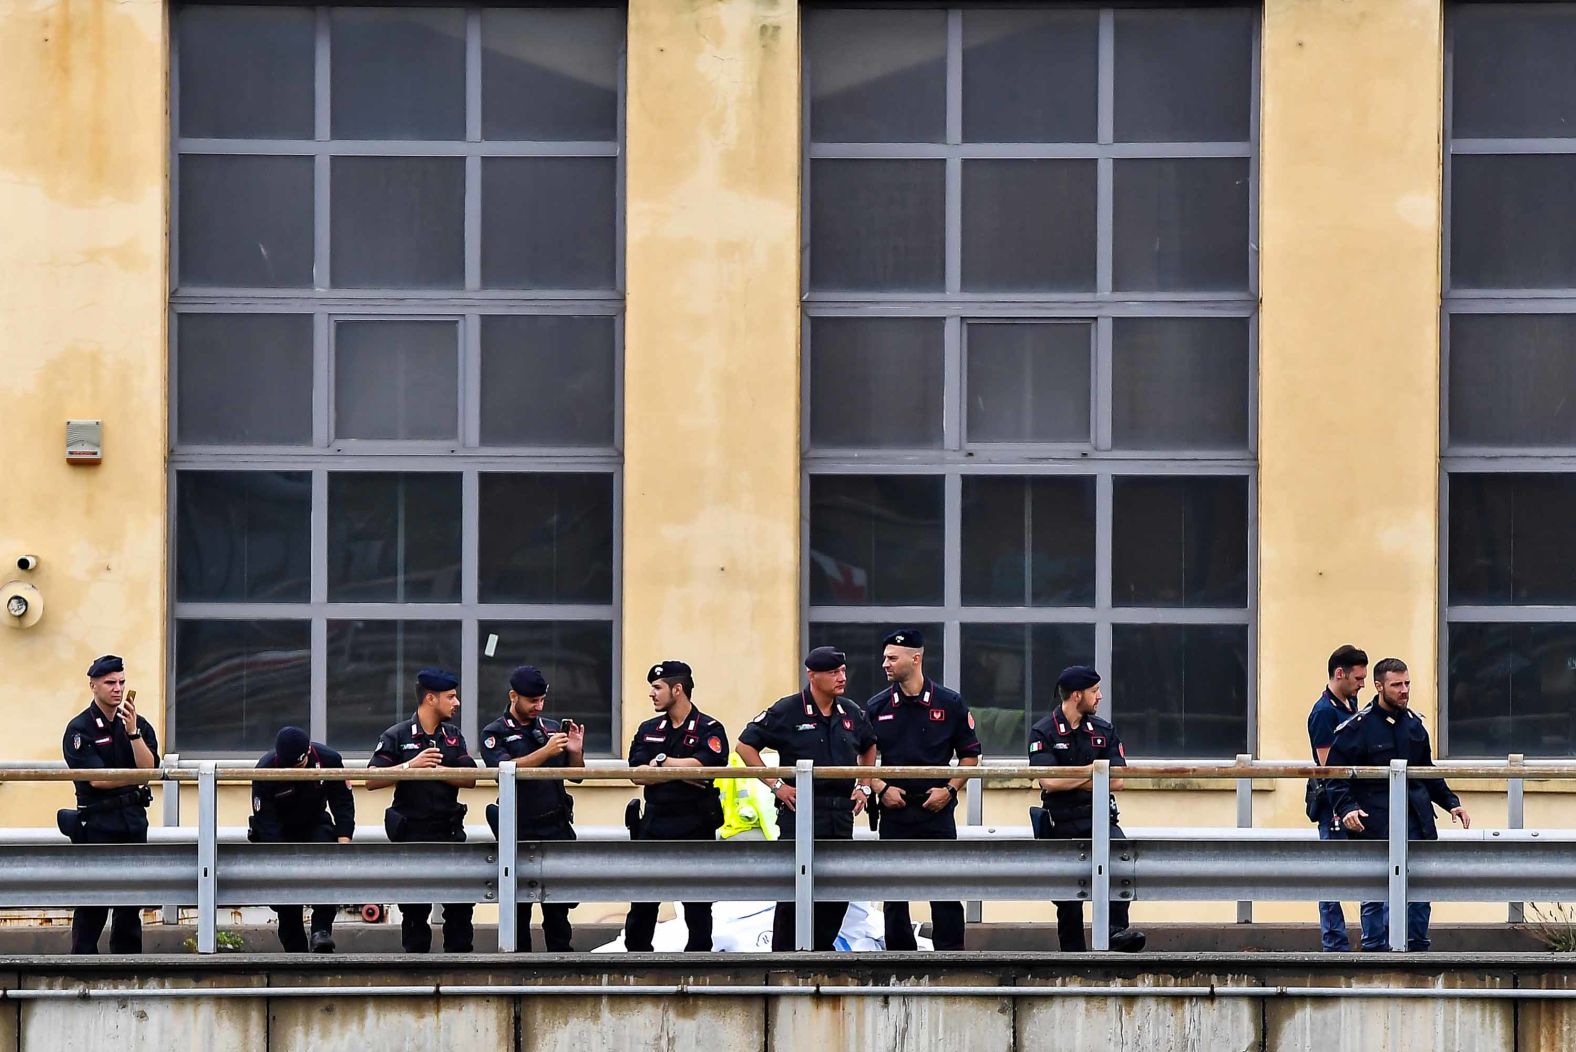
[1029, 347]
[395, 364]
[1509, 333]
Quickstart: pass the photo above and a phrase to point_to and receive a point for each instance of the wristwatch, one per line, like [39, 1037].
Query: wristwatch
[953, 790]
[776, 785]
[862, 789]
[134, 737]
[659, 759]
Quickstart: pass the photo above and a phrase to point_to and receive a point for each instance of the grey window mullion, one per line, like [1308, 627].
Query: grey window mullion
[952, 548]
[318, 703]
[1180, 615]
[471, 379]
[322, 119]
[1102, 544]
[1253, 163]
[1101, 379]
[1105, 223]
[1521, 614]
[1106, 133]
[403, 302]
[906, 151]
[954, 76]
[470, 670]
[1513, 147]
[954, 224]
[618, 383]
[473, 74]
[318, 537]
[473, 223]
[954, 405]
[256, 611]
[990, 615]
[1102, 662]
[322, 111]
[322, 380]
[952, 640]
[470, 535]
[1105, 121]
[322, 240]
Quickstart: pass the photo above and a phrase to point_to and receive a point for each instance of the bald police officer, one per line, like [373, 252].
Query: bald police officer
[679, 735]
[108, 734]
[918, 722]
[1073, 736]
[428, 811]
[815, 724]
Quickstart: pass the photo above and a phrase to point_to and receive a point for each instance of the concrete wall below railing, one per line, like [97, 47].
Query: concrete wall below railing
[815, 1003]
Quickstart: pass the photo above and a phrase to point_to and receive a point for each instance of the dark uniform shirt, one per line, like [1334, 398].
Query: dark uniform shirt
[699, 737]
[924, 731]
[795, 727]
[1328, 713]
[1055, 742]
[296, 810]
[1373, 738]
[424, 801]
[540, 800]
[94, 741]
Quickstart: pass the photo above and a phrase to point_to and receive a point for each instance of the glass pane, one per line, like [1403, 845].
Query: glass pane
[1009, 677]
[525, 355]
[1030, 76]
[396, 379]
[1179, 541]
[551, 74]
[1179, 383]
[546, 538]
[862, 644]
[547, 222]
[858, 364]
[238, 682]
[1180, 690]
[372, 668]
[1184, 76]
[244, 379]
[577, 659]
[1512, 72]
[1512, 688]
[1511, 377]
[243, 536]
[1028, 225]
[877, 225]
[1510, 219]
[1181, 225]
[1028, 541]
[398, 222]
[875, 539]
[877, 76]
[398, 73]
[246, 72]
[246, 221]
[1510, 539]
[1029, 382]
[394, 538]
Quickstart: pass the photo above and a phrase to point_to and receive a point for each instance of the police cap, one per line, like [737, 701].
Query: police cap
[825, 659]
[437, 680]
[290, 745]
[905, 637]
[668, 670]
[105, 665]
[1077, 677]
[528, 682]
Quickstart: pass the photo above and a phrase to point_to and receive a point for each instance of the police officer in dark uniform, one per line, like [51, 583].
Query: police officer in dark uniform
[108, 734]
[1073, 736]
[680, 735]
[546, 810]
[1348, 671]
[817, 725]
[428, 811]
[919, 722]
[1388, 730]
[298, 812]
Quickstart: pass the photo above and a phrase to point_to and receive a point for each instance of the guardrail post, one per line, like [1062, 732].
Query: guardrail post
[1515, 818]
[508, 855]
[973, 911]
[1244, 821]
[171, 805]
[804, 856]
[1398, 829]
[1100, 855]
[207, 859]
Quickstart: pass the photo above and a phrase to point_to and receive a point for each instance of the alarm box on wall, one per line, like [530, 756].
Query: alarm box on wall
[84, 441]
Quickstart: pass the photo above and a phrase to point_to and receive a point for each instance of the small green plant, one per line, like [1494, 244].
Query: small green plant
[226, 941]
[1553, 924]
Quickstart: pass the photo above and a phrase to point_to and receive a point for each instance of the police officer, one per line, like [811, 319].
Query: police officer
[1348, 671]
[921, 723]
[108, 734]
[1388, 730]
[1073, 736]
[817, 725]
[428, 811]
[298, 812]
[546, 810]
[680, 735]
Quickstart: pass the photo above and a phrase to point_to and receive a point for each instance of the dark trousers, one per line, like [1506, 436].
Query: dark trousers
[946, 918]
[834, 820]
[556, 929]
[1069, 914]
[641, 923]
[415, 933]
[292, 934]
[1332, 918]
[87, 922]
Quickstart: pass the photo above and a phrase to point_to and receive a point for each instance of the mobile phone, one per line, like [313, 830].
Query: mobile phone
[568, 725]
[130, 697]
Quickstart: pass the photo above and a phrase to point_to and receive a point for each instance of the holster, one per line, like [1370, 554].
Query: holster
[394, 824]
[1312, 797]
[632, 818]
[69, 821]
[1041, 823]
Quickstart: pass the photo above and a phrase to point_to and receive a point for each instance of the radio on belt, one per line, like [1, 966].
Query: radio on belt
[84, 441]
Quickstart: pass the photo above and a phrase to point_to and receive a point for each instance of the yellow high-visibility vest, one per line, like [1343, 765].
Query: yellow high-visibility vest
[746, 805]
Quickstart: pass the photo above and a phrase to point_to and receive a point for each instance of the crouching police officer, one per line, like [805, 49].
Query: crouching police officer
[298, 812]
[919, 722]
[1073, 736]
[108, 734]
[817, 725]
[680, 735]
[428, 811]
[546, 810]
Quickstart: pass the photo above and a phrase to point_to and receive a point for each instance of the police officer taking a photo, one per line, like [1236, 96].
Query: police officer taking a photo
[108, 734]
[680, 735]
[546, 810]
[815, 724]
[299, 812]
[1073, 736]
[428, 811]
[918, 722]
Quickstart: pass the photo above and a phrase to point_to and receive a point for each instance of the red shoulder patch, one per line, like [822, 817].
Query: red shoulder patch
[715, 744]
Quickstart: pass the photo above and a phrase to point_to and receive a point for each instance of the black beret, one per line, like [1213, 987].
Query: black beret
[437, 680]
[825, 659]
[105, 665]
[528, 681]
[905, 637]
[1077, 677]
[668, 670]
[291, 744]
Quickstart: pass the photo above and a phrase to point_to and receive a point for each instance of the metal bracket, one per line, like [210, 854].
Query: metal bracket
[804, 856]
[508, 855]
[1100, 855]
